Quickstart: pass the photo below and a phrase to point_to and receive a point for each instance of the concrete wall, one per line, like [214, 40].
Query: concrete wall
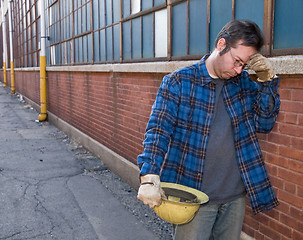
[106, 108]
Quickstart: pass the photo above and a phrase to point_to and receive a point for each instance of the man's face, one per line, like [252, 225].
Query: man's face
[232, 62]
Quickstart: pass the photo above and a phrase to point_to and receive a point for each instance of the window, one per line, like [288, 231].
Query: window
[82, 31]
[288, 27]
[144, 30]
[110, 31]
[106, 30]
[26, 34]
[161, 33]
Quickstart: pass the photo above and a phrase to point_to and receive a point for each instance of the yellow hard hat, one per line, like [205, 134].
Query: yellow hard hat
[181, 204]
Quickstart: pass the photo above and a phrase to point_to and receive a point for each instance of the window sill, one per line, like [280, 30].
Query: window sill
[291, 64]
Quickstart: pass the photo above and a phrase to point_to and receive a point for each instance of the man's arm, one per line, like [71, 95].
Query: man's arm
[267, 103]
[160, 126]
[157, 137]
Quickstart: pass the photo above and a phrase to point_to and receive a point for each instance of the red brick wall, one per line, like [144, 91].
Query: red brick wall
[113, 108]
[283, 153]
[27, 83]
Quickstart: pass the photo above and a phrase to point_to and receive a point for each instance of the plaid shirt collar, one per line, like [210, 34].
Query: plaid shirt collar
[206, 78]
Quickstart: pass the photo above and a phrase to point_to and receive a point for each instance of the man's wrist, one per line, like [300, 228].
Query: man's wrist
[144, 183]
[270, 79]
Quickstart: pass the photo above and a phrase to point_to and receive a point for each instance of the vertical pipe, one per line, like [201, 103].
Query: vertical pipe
[43, 110]
[4, 45]
[10, 26]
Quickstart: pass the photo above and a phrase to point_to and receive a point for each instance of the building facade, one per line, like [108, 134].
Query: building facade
[105, 60]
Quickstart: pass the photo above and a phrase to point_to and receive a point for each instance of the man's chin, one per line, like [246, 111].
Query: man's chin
[225, 77]
[229, 76]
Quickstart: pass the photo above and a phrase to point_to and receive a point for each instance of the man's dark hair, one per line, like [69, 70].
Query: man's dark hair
[245, 30]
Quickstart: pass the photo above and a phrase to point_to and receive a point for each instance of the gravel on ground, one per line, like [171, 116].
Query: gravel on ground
[95, 168]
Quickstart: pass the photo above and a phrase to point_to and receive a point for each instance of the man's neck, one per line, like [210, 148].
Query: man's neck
[209, 66]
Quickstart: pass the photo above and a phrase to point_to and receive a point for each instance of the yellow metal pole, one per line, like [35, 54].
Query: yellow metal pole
[43, 111]
[43, 91]
[4, 75]
[12, 78]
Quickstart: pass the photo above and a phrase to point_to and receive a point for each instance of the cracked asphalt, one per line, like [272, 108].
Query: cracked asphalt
[52, 188]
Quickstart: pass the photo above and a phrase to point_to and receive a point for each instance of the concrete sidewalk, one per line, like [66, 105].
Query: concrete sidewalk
[45, 192]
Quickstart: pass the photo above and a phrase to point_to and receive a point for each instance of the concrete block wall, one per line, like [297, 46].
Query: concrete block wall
[113, 109]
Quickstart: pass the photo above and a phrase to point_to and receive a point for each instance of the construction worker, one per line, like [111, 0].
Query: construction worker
[202, 134]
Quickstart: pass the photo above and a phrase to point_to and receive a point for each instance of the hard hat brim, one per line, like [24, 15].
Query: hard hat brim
[178, 212]
[201, 197]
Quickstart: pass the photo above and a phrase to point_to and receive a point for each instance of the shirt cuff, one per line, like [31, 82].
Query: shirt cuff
[149, 169]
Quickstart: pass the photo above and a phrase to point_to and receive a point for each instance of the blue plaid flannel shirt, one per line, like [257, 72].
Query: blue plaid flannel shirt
[177, 132]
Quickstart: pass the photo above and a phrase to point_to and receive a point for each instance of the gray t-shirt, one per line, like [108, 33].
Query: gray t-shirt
[221, 180]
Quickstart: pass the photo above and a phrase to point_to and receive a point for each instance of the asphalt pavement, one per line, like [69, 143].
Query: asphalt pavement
[46, 192]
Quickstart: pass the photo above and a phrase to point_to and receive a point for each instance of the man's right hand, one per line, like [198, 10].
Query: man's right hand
[262, 66]
[150, 192]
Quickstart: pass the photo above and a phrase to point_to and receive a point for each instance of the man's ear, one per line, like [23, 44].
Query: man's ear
[221, 44]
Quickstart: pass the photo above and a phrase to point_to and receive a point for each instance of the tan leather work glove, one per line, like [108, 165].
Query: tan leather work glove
[262, 66]
[150, 192]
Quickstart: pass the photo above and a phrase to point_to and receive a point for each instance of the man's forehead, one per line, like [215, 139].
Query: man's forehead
[243, 53]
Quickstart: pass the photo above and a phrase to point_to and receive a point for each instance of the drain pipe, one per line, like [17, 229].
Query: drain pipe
[43, 110]
[4, 45]
[10, 26]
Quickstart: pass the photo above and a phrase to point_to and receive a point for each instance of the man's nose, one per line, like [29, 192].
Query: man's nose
[238, 69]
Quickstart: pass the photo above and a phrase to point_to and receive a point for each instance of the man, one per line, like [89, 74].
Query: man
[202, 134]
